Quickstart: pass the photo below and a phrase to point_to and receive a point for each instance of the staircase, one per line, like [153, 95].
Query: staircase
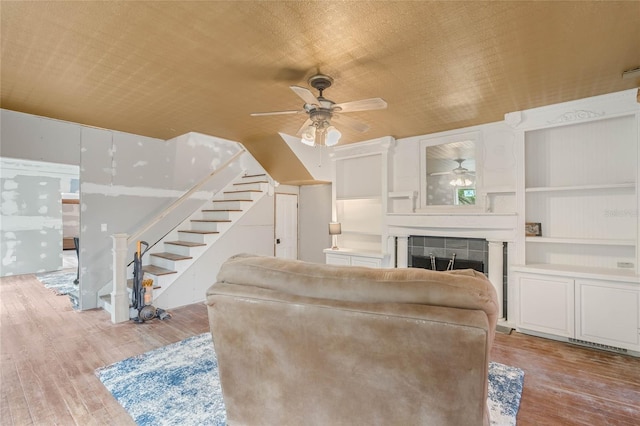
[182, 247]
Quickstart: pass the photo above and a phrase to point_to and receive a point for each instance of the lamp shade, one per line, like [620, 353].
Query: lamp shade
[335, 228]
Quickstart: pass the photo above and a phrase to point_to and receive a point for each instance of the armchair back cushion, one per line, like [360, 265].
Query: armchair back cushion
[301, 343]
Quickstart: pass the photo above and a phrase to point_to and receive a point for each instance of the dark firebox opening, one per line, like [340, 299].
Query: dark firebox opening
[442, 263]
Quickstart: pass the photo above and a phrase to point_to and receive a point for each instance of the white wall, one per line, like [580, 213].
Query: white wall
[47, 147]
[31, 137]
[313, 222]
[127, 180]
[31, 225]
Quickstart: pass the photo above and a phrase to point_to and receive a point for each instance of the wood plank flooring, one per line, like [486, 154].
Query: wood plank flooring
[49, 354]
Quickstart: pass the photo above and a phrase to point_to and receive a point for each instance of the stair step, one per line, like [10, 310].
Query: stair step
[221, 210]
[257, 185]
[242, 191]
[235, 204]
[262, 178]
[130, 283]
[185, 243]
[156, 270]
[210, 214]
[244, 194]
[171, 256]
[197, 236]
[193, 231]
[228, 200]
[105, 302]
[250, 183]
[209, 224]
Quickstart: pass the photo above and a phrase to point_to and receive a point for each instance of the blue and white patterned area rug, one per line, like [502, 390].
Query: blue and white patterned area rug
[61, 283]
[179, 384]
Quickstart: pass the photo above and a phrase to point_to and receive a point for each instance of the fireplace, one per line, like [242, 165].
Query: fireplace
[485, 234]
[443, 263]
[474, 250]
[462, 253]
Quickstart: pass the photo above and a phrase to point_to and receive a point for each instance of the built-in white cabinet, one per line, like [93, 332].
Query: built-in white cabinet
[546, 304]
[338, 259]
[608, 313]
[590, 310]
[352, 258]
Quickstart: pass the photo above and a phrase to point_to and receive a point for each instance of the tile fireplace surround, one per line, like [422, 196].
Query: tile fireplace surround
[476, 249]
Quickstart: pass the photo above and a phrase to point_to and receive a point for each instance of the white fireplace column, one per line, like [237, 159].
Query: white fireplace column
[496, 263]
[403, 252]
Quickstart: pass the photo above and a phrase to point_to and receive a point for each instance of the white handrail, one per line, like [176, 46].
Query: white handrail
[184, 197]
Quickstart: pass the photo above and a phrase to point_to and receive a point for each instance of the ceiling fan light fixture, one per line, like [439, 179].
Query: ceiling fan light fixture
[309, 135]
[321, 110]
[332, 137]
[460, 181]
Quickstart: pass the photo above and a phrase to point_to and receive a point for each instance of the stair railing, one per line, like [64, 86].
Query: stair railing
[120, 295]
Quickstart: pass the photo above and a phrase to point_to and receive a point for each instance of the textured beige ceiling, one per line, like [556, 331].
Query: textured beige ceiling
[162, 69]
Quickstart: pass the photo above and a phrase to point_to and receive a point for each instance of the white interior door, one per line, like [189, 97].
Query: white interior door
[286, 229]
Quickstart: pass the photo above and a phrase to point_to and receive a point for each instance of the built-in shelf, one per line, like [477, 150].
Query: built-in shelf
[572, 271]
[586, 241]
[580, 187]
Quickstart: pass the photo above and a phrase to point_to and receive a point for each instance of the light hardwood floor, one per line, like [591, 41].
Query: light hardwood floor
[49, 354]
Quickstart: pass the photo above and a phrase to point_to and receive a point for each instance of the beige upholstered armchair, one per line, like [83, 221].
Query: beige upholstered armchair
[308, 344]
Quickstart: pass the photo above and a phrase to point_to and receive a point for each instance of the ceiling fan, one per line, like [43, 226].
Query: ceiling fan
[461, 175]
[317, 129]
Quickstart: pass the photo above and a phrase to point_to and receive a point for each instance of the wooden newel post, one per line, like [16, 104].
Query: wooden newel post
[119, 295]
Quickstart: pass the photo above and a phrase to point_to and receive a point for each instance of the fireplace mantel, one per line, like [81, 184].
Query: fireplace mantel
[490, 226]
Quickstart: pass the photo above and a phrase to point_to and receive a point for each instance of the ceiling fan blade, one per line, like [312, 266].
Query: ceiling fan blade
[304, 126]
[362, 105]
[351, 123]
[305, 94]
[439, 173]
[259, 114]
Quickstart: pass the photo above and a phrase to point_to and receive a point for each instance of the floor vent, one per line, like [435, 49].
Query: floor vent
[598, 346]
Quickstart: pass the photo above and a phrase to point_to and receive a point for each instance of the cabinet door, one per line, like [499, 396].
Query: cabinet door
[371, 262]
[608, 313]
[546, 304]
[338, 259]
